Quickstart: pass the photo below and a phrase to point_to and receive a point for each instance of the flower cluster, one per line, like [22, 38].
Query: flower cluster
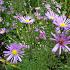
[62, 24]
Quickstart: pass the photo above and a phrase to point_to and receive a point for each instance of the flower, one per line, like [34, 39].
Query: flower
[51, 15]
[14, 52]
[61, 42]
[25, 19]
[1, 2]
[28, 20]
[62, 22]
[38, 15]
[42, 34]
[2, 30]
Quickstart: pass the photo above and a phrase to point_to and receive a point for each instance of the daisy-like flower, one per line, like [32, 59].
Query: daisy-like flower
[61, 42]
[25, 19]
[28, 20]
[62, 22]
[38, 15]
[2, 30]
[51, 15]
[14, 52]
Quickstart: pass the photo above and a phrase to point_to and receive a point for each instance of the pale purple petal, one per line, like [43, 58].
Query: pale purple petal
[67, 42]
[19, 59]
[15, 59]
[53, 35]
[67, 48]
[55, 48]
[9, 58]
[60, 50]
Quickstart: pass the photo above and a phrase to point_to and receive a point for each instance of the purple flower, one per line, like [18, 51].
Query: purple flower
[28, 20]
[1, 2]
[25, 19]
[42, 34]
[2, 30]
[14, 52]
[62, 22]
[61, 42]
[38, 15]
[51, 15]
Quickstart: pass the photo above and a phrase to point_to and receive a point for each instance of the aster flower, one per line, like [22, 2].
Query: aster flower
[25, 19]
[28, 20]
[14, 52]
[2, 30]
[62, 22]
[38, 15]
[51, 15]
[61, 42]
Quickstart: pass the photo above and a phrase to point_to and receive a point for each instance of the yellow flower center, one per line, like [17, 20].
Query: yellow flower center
[63, 25]
[52, 17]
[14, 52]
[27, 21]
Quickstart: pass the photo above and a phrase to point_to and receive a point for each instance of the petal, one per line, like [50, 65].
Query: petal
[55, 48]
[6, 52]
[60, 50]
[19, 59]
[67, 48]
[68, 37]
[9, 57]
[53, 39]
[15, 59]
[68, 42]
[53, 35]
